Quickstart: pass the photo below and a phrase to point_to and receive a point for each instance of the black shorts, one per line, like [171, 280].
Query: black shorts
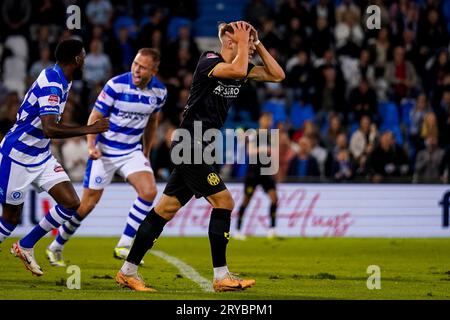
[252, 181]
[199, 180]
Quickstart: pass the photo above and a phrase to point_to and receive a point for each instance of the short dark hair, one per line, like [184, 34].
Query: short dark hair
[67, 50]
[154, 53]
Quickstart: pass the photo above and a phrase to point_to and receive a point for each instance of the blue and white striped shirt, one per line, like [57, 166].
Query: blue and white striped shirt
[25, 143]
[128, 108]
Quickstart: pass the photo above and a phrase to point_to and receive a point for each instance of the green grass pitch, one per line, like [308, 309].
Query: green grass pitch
[290, 268]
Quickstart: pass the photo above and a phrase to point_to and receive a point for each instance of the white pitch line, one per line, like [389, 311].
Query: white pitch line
[186, 270]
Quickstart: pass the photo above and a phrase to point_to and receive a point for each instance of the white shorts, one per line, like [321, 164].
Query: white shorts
[15, 179]
[100, 172]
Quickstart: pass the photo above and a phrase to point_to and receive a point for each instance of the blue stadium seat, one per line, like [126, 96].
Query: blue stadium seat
[125, 21]
[301, 113]
[174, 25]
[388, 113]
[211, 12]
[277, 109]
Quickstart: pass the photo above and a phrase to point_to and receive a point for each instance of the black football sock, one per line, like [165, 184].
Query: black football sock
[146, 236]
[240, 216]
[219, 234]
[273, 214]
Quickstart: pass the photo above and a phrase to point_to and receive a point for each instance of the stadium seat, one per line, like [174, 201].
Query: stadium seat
[212, 12]
[174, 25]
[388, 113]
[301, 113]
[277, 109]
[127, 22]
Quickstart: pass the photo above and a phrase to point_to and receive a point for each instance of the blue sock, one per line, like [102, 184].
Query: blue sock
[52, 220]
[5, 229]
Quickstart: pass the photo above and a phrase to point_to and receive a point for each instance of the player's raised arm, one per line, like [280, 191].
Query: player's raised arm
[271, 71]
[236, 39]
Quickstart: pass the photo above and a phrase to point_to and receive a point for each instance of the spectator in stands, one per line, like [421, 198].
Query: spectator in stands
[317, 151]
[421, 108]
[387, 159]
[432, 33]
[43, 40]
[299, 73]
[99, 12]
[349, 35]
[363, 101]
[294, 9]
[400, 75]
[295, 37]
[270, 35]
[304, 164]
[362, 141]
[412, 54]
[157, 24]
[437, 73]
[322, 37]
[286, 154]
[340, 143]
[43, 62]
[97, 66]
[354, 70]
[380, 51]
[429, 161]
[347, 6]
[330, 94]
[324, 9]
[404, 14]
[429, 126]
[342, 167]
[184, 41]
[334, 129]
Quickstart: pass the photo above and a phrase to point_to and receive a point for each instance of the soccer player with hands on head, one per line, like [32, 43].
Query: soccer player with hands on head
[217, 81]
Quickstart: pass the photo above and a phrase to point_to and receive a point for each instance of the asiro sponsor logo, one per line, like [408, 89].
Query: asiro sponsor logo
[227, 91]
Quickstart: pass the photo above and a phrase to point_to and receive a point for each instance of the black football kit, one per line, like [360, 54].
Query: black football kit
[209, 101]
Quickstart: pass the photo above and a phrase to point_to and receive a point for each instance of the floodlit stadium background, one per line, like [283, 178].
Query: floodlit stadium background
[338, 72]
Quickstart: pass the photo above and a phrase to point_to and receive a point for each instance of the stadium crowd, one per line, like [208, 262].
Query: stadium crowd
[356, 105]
